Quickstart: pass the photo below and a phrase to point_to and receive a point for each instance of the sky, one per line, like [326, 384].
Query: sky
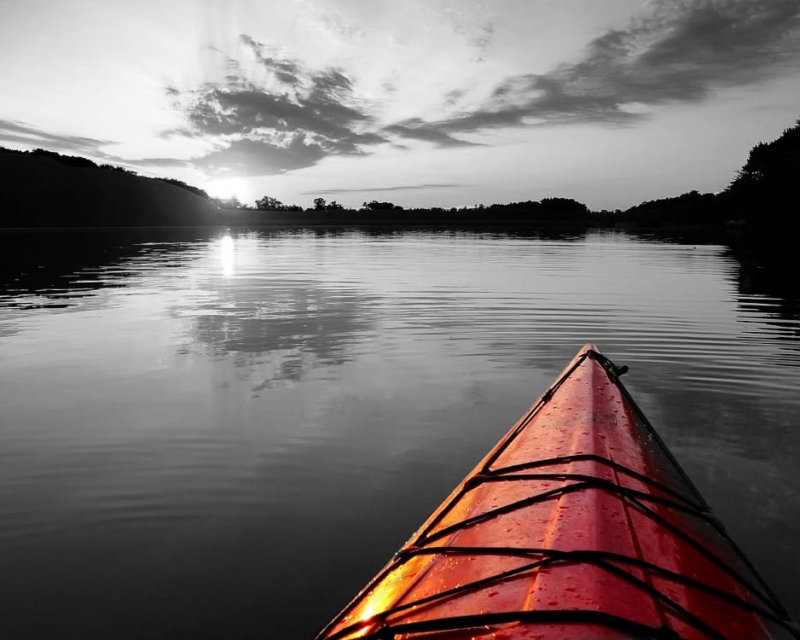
[418, 102]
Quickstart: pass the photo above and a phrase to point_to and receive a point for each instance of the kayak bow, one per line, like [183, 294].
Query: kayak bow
[579, 523]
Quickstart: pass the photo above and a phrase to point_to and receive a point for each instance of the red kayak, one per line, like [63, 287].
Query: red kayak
[579, 524]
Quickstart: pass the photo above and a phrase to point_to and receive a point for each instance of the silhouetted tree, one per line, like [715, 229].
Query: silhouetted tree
[381, 206]
[565, 204]
[766, 191]
[319, 204]
[268, 203]
[111, 167]
[72, 161]
[334, 206]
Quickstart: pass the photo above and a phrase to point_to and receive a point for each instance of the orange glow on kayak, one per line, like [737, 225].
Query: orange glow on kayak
[580, 524]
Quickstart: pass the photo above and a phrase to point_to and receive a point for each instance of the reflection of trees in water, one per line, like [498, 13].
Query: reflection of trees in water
[771, 289]
[767, 280]
[64, 270]
[461, 232]
[52, 269]
[288, 325]
[444, 233]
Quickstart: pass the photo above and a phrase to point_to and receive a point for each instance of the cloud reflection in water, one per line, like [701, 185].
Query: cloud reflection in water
[276, 331]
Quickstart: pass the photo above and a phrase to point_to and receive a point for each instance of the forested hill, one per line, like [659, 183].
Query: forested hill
[763, 198]
[766, 192]
[45, 189]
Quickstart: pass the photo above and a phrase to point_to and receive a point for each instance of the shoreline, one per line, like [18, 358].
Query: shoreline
[494, 226]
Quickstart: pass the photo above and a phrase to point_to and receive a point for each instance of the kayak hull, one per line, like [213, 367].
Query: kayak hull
[578, 524]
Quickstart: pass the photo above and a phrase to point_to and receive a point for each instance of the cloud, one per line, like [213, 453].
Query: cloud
[681, 51]
[286, 70]
[452, 97]
[322, 192]
[150, 162]
[222, 111]
[248, 157]
[436, 132]
[286, 116]
[483, 41]
[16, 132]
[19, 133]
[291, 119]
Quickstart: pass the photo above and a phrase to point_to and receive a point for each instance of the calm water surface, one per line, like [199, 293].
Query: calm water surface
[223, 434]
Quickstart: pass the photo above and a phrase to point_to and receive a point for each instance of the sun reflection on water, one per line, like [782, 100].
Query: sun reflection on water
[227, 256]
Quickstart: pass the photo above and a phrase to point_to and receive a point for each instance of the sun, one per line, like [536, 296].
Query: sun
[227, 188]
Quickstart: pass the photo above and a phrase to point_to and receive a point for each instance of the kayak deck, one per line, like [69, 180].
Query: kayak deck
[579, 524]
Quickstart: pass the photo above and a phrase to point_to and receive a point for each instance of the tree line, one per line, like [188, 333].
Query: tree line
[269, 203]
[763, 198]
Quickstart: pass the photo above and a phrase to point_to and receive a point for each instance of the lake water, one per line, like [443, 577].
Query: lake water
[215, 434]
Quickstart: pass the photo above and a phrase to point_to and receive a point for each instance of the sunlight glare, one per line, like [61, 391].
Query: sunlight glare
[228, 188]
[227, 256]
